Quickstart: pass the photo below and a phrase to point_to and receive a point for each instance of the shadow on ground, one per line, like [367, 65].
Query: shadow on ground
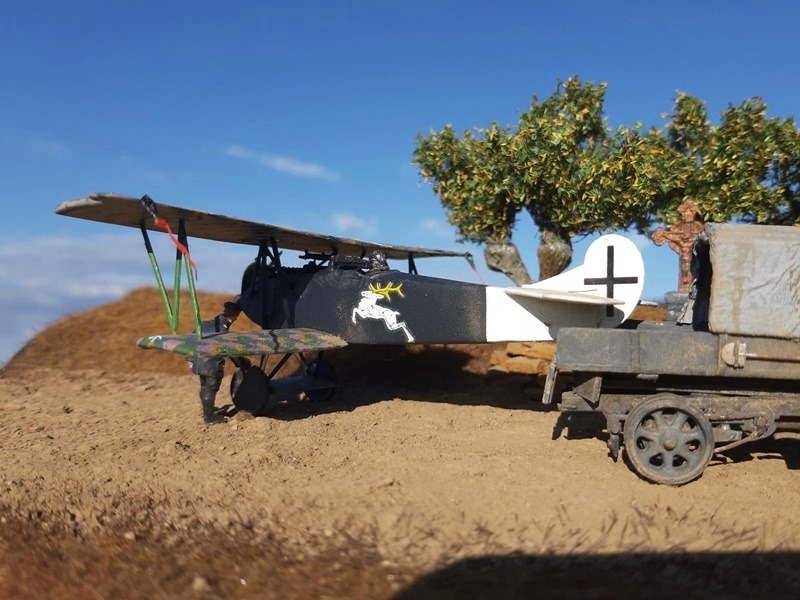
[688, 575]
[444, 374]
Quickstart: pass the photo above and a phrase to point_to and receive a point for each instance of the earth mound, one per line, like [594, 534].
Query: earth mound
[105, 337]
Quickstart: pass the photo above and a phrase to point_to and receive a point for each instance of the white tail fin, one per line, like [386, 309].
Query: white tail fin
[602, 292]
[613, 268]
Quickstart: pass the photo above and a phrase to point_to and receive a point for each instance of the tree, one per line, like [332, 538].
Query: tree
[573, 176]
[745, 168]
[560, 164]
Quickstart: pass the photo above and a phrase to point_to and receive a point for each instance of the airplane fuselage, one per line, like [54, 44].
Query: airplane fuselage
[386, 307]
[393, 307]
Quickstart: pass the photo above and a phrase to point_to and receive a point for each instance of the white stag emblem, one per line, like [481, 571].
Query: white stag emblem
[368, 307]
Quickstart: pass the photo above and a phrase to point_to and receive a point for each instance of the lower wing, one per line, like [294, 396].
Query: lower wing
[247, 343]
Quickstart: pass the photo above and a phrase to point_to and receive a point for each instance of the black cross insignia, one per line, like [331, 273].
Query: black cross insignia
[609, 280]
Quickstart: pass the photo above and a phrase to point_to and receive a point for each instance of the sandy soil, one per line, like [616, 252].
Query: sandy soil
[422, 478]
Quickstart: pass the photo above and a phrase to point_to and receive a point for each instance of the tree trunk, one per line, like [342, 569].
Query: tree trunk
[554, 252]
[504, 258]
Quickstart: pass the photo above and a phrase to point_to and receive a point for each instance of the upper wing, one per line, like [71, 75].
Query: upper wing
[561, 296]
[121, 210]
[248, 343]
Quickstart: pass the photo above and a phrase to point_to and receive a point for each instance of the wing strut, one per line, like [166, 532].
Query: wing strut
[181, 255]
[276, 260]
[412, 268]
[262, 265]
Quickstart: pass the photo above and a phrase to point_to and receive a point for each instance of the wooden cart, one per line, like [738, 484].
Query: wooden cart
[727, 373]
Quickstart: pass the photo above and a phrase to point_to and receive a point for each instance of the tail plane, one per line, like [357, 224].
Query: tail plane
[602, 292]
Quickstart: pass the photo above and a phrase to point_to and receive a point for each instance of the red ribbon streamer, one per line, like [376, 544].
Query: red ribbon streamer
[182, 248]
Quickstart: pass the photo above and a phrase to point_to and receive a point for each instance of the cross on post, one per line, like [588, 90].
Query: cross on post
[609, 280]
[681, 238]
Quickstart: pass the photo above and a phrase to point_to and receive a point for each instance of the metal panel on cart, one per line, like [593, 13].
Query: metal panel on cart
[673, 350]
[755, 282]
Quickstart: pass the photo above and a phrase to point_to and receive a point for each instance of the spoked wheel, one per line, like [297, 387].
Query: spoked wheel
[668, 440]
[250, 391]
[325, 370]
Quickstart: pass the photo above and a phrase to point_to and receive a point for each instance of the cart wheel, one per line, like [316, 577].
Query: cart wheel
[250, 391]
[668, 441]
[327, 371]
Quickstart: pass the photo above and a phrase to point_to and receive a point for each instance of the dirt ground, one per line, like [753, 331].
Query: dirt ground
[422, 478]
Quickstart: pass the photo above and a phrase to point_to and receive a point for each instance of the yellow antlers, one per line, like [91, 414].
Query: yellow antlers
[386, 290]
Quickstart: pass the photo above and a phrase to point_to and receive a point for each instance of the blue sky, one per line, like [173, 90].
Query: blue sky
[304, 114]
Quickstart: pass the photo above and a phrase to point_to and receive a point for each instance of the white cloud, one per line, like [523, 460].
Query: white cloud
[238, 152]
[438, 228]
[283, 164]
[351, 224]
[131, 167]
[40, 146]
[643, 243]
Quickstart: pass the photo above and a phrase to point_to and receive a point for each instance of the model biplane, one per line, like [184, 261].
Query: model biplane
[346, 293]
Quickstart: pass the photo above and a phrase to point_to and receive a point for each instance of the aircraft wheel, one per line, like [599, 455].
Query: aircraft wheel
[250, 391]
[327, 371]
[668, 440]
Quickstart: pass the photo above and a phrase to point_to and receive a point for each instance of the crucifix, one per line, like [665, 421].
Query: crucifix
[681, 237]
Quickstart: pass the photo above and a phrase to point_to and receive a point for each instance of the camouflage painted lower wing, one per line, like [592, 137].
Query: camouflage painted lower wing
[248, 343]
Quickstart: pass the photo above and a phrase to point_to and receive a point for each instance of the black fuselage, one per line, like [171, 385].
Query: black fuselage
[366, 307]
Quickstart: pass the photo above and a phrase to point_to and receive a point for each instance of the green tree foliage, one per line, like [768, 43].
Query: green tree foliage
[747, 167]
[563, 166]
